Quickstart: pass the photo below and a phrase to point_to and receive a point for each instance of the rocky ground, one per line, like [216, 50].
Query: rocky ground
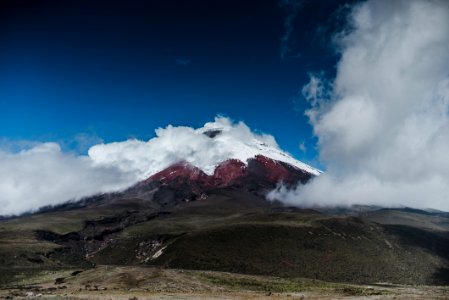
[118, 282]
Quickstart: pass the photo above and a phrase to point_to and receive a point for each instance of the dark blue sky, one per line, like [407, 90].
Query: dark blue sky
[120, 69]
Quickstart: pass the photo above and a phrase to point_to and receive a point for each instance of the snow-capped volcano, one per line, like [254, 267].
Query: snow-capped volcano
[116, 166]
[46, 175]
[255, 164]
[204, 148]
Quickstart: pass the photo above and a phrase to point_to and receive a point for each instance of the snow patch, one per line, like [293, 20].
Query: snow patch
[158, 253]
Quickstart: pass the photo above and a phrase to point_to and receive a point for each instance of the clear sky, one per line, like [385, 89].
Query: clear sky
[78, 72]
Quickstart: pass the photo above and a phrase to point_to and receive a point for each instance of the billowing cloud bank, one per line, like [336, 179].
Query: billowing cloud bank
[44, 175]
[382, 123]
[173, 144]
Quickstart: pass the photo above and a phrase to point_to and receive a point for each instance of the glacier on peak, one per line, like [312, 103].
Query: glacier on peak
[205, 148]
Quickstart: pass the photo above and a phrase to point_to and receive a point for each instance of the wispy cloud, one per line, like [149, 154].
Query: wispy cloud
[302, 147]
[183, 61]
[81, 142]
[291, 8]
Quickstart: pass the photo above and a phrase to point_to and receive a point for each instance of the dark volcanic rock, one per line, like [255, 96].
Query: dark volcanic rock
[228, 172]
[265, 171]
[182, 170]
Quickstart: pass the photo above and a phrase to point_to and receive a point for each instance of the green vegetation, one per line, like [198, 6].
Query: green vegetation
[224, 233]
[334, 250]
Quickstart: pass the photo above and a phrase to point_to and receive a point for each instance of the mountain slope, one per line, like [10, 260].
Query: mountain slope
[218, 219]
[229, 230]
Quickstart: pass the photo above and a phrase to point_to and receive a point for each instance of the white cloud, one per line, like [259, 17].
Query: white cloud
[291, 8]
[45, 175]
[302, 147]
[173, 144]
[383, 131]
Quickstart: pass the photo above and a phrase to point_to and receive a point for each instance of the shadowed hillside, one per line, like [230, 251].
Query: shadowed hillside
[228, 230]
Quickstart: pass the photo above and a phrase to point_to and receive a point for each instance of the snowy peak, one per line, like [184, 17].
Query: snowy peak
[243, 150]
[249, 158]
[205, 148]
